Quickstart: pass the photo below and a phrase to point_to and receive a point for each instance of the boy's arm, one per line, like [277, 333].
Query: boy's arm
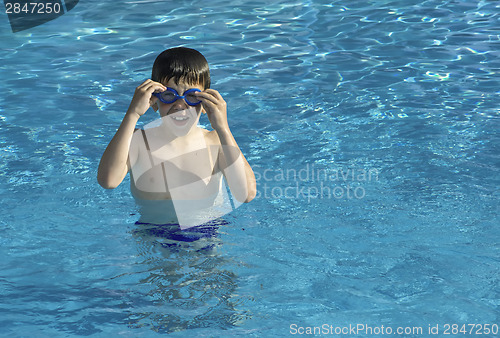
[239, 174]
[114, 165]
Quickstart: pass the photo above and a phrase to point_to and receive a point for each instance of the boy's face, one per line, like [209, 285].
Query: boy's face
[179, 105]
[178, 116]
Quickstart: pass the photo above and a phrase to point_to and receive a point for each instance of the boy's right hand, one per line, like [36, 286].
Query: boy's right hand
[143, 97]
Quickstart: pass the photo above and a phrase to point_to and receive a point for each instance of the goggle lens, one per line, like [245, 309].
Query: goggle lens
[192, 99]
[170, 95]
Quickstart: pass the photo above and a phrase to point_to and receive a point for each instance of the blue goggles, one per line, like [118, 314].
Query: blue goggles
[170, 96]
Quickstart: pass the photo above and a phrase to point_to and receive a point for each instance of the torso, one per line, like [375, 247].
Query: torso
[180, 170]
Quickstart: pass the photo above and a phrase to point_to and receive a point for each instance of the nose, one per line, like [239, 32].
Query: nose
[179, 104]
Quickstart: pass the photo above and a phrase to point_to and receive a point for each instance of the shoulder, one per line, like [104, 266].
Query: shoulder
[211, 137]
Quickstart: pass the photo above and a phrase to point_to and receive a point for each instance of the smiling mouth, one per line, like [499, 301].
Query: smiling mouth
[180, 120]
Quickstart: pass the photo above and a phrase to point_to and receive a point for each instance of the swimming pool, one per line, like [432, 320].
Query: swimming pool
[372, 127]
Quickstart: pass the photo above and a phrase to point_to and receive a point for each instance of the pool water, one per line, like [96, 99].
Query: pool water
[372, 128]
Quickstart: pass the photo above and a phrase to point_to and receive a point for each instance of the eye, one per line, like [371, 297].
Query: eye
[191, 97]
[168, 96]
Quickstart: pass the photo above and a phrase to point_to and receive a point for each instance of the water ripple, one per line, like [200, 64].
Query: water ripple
[409, 89]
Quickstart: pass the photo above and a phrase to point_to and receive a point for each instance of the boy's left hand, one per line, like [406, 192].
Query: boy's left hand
[215, 108]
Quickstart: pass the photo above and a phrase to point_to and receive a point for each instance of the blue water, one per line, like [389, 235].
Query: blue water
[372, 127]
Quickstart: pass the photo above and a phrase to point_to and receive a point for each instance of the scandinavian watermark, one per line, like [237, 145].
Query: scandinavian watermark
[311, 183]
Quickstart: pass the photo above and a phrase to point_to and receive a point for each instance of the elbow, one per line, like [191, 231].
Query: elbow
[244, 195]
[109, 179]
[106, 182]
[108, 186]
[251, 189]
[251, 195]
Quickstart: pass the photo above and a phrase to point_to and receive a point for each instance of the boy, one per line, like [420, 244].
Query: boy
[176, 167]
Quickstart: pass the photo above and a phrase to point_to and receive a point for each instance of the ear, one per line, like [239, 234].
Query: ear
[155, 105]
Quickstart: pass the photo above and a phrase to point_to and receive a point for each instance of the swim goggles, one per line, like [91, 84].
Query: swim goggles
[170, 96]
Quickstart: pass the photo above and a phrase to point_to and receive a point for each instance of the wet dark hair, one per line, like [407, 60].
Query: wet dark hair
[181, 63]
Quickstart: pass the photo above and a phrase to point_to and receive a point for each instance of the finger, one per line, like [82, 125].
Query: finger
[148, 83]
[145, 83]
[214, 93]
[206, 97]
[154, 86]
[209, 106]
[208, 103]
[214, 96]
[159, 84]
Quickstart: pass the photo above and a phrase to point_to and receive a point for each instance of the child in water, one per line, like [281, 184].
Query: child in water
[176, 167]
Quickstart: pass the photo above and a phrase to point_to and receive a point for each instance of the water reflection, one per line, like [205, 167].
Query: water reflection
[188, 280]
